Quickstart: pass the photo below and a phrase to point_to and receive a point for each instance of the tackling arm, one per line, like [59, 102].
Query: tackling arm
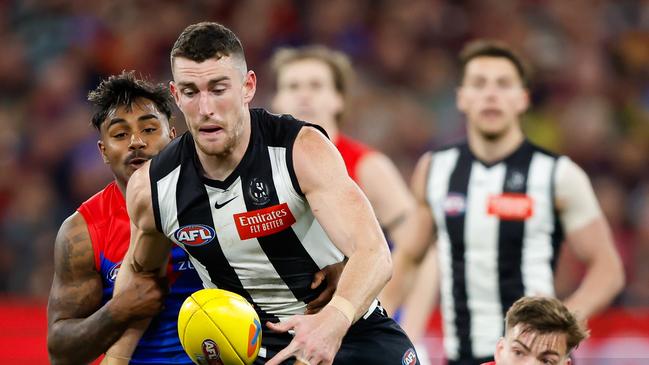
[79, 328]
[145, 261]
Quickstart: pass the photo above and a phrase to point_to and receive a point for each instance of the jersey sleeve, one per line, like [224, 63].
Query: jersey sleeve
[575, 197]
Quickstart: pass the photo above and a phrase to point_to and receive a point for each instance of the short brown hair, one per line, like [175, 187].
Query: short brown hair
[205, 40]
[492, 48]
[338, 63]
[545, 315]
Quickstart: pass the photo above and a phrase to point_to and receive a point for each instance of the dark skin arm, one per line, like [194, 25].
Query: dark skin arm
[329, 277]
[79, 327]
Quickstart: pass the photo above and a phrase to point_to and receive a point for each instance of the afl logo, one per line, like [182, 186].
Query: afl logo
[195, 235]
[258, 191]
[454, 205]
[112, 274]
[211, 352]
[409, 358]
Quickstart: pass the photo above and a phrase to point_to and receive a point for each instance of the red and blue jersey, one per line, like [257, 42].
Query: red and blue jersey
[352, 152]
[109, 227]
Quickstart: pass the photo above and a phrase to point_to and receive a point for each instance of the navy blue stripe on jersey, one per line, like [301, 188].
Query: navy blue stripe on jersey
[193, 205]
[511, 232]
[557, 234]
[283, 249]
[459, 184]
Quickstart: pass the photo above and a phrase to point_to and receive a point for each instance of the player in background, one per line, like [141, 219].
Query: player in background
[538, 330]
[499, 207]
[313, 84]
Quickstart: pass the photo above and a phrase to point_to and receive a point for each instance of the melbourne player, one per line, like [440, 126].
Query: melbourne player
[312, 84]
[132, 118]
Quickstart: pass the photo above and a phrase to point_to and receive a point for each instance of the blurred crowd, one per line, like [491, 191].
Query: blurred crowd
[590, 89]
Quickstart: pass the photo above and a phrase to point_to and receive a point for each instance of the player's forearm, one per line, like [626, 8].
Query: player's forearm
[80, 341]
[603, 281]
[365, 274]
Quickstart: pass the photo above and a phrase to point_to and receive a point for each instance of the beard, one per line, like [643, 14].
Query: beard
[223, 148]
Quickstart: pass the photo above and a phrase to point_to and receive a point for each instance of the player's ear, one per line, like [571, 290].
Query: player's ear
[524, 101]
[174, 92]
[249, 86]
[102, 151]
[500, 348]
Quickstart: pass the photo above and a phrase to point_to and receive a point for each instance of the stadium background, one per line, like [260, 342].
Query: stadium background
[590, 101]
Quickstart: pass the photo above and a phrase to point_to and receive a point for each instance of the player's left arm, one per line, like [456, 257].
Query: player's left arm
[393, 204]
[589, 236]
[347, 217]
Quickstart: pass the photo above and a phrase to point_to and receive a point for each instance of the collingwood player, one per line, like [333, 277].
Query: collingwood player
[260, 203]
[499, 207]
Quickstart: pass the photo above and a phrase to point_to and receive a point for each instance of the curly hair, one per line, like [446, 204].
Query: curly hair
[123, 90]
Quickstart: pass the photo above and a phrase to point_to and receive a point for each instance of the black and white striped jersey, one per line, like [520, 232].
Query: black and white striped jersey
[498, 238]
[253, 233]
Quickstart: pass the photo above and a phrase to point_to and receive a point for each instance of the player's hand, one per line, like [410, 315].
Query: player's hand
[141, 298]
[329, 276]
[317, 337]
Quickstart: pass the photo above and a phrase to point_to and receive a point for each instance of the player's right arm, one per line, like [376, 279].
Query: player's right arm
[410, 252]
[79, 327]
[145, 260]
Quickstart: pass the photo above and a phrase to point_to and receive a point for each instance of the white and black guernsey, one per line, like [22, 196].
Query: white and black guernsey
[498, 239]
[253, 233]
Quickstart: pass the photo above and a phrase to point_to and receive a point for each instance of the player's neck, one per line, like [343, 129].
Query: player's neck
[219, 167]
[121, 185]
[331, 128]
[491, 150]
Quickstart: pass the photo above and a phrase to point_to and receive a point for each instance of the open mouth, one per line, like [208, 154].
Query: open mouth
[491, 112]
[137, 162]
[212, 129]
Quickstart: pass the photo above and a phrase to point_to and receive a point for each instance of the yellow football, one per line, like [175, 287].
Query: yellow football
[219, 327]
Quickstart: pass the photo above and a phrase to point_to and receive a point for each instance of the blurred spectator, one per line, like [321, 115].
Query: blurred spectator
[591, 82]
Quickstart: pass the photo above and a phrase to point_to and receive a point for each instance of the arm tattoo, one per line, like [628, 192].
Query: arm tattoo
[79, 328]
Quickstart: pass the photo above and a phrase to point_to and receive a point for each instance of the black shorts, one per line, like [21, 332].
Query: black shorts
[378, 339]
[470, 361]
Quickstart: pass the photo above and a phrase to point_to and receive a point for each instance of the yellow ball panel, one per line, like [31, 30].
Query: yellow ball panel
[186, 312]
[239, 323]
[206, 344]
[215, 323]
